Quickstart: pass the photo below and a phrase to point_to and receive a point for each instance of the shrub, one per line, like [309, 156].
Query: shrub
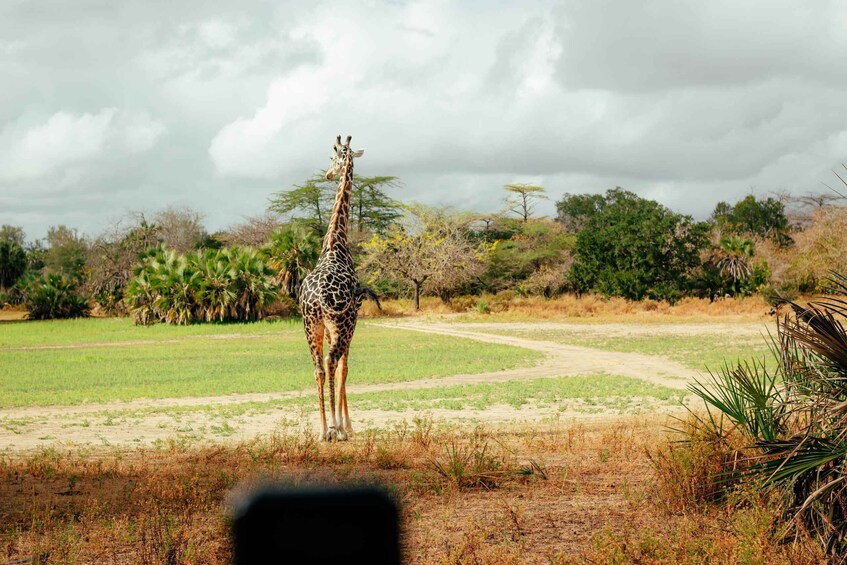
[793, 417]
[207, 285]
[52, 297]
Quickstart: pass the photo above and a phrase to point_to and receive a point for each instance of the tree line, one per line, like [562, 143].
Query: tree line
[167, 267]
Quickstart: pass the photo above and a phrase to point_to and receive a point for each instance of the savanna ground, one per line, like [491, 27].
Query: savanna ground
[536, 432]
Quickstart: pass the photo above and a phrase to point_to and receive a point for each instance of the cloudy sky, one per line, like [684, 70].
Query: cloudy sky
[111, 106]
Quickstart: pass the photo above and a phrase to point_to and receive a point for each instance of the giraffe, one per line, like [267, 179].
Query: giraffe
[330, 298]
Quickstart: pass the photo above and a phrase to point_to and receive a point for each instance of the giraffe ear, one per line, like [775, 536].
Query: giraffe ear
[357, 154]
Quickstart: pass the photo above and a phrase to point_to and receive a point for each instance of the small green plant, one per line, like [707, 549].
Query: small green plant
[482, 307]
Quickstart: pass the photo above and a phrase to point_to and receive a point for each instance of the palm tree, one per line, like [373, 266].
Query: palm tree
[292, 253]
[253, 284]
[732, 258]
[215, 294]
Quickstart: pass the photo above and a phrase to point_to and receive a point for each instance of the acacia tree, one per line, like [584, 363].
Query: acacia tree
[428, 252]
[371, 209]
[522, 199]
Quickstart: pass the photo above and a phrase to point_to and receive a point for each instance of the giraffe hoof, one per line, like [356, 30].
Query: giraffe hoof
[331, 435]
[342, 435]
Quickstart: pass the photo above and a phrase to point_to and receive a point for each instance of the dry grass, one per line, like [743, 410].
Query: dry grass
[507, 307]
[561, 493]
[12, 314]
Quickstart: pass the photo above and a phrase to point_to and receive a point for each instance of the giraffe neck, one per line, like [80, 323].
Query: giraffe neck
[336, 235]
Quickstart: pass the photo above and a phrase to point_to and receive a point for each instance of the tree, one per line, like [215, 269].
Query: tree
[66, 252]
[637, 248]
[54, 296]
[311, 202]
[12, 263]
[12, 234]
[180, 229]
[522, 198]
[371, 210]
[113, 256]
[428, 252]
[574, 210]
[733, 260]
[254, 231]
[754, 218]
[521, 249]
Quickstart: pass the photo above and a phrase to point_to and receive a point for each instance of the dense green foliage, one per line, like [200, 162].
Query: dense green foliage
[613, 244]
[524, 251]
[206, 285]
[52, 297]
[752, 217]
[65, 253]
[291, 253]
[637, 248]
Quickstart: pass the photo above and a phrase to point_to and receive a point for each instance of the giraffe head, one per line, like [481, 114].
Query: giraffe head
[340, 153]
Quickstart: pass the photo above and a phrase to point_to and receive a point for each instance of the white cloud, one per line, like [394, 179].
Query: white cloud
[61, 140]
[35, 150]
[682, 101]
[141, 132]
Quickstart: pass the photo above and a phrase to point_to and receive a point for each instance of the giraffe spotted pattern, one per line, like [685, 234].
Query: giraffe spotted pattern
[330, 298]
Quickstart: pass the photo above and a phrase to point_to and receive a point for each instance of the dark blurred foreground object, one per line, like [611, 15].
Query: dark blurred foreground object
[317, 525]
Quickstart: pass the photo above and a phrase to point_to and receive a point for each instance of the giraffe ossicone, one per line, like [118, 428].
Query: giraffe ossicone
[330, 298]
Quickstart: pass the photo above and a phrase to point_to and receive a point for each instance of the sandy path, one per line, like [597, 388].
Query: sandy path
[45, 425]
[592, 329]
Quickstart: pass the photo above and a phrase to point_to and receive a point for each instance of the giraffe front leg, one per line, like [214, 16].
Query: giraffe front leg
[333, 432]
[315, 335]
[319, 379]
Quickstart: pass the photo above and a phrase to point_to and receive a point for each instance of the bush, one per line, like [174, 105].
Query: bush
[793, 417]
[210, 285]
[636, 248]
[52, 297]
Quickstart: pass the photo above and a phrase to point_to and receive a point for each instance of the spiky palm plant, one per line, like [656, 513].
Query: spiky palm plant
[252, 284]
[794, 417]
[215, 295]
[732, 259]
[52, 297]
[292, 253]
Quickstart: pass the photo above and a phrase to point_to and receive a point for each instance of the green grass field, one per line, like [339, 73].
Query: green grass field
[104, 360]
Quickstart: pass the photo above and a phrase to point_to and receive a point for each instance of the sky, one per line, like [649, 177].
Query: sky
[108, 107]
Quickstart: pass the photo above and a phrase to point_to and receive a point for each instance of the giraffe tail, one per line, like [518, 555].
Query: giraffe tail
[363, 292]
